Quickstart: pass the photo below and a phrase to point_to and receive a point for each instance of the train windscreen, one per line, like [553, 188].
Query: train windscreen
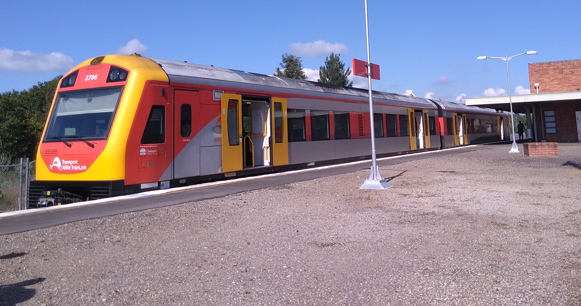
[85, 114]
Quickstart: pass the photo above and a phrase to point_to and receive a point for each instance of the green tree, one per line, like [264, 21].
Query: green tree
[334, 72]
[292, 67]
[22, 118]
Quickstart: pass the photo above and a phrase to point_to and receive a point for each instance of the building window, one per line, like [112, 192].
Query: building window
[391, 123]
[320, 125]
[550, 122]
[341, 125]
[378, 125]
[296, 124]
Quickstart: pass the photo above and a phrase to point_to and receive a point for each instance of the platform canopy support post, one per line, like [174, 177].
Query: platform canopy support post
[375, 181]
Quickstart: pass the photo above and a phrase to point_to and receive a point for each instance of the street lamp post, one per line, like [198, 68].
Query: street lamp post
[514, 148]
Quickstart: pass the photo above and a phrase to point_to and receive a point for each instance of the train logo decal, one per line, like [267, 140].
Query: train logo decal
[217, 129]
[56, 163]
[142, 151]
[67, 165]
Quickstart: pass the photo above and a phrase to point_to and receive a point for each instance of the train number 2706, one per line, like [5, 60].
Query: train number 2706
[91, 77]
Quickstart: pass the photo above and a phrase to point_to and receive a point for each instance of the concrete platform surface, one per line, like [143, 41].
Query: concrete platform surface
[480, 227]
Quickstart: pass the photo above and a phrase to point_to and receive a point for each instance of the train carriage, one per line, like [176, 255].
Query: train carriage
[124, 124]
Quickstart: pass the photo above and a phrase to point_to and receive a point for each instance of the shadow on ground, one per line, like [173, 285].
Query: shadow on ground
[18, 293]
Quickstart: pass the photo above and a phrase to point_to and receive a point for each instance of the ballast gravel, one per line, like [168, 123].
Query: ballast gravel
[482, 227]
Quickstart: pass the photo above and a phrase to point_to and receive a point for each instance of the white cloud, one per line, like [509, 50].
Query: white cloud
[26, 61]
[461, 98]
[443, 80]
[429, 95]
[133, 46]
[519, 90]
[409, 92]
[312, 74]
[319, 47]
[491, 92]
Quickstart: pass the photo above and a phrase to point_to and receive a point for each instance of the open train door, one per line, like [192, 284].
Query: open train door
[231, 132]
[500, 128]
[279, 132]
[427, 129]
[464, 128]
[412, 129]
[455, 127]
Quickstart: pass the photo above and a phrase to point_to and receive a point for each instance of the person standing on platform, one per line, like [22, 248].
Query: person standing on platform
[521, 130]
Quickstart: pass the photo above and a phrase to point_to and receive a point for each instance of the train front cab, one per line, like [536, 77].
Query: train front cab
[254, 132]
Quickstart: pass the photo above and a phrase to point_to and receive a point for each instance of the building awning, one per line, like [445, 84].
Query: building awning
[520, 103]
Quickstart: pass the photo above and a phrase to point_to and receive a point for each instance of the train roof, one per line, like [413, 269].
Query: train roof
[180, 72]
[183, 72]
[458, 107]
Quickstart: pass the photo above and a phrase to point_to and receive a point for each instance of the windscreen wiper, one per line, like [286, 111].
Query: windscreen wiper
[83, 140]
[58, 138]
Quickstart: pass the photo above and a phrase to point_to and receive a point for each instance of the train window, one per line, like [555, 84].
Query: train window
[278, 124]
[450, 126]
[233, 122]
[86, 113]
[550, 122]
[320, 125]
[186, 120]
[296, 124]
[403, 125]
[378, 125]
[341, 125]
[154, 129]
[391, 124]
[432, 125]
[476, 124]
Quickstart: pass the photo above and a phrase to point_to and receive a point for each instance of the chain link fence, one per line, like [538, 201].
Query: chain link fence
[14, 182]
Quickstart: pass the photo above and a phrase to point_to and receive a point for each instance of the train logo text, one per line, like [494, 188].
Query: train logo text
[67, 165]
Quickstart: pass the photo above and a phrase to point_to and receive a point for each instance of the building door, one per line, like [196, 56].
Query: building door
[578, 115]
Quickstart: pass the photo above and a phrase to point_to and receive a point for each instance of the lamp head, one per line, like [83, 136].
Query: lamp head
[481, 58]
[531, 52]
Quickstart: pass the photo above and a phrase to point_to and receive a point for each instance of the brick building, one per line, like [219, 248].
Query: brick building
[554, 106]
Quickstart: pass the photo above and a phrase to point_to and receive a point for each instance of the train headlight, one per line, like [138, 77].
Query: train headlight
[113, 75]
[70, 80]
[117, 74]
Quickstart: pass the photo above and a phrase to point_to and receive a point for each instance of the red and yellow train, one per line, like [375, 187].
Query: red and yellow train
[124, 124]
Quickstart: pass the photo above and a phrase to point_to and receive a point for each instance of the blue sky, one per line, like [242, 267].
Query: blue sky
[425, 47]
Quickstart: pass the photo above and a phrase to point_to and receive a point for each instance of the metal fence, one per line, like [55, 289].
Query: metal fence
[23, 171]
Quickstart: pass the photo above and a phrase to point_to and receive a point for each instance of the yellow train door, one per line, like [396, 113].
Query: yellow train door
[465, 129]
[427, 129]
[412, 129]
[455, 127]
[231, 116]
[279, 132]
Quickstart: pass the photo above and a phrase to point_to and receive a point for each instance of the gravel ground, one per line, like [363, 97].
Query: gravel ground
[481, 227]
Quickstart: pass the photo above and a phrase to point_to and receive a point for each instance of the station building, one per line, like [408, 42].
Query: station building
[553, 108]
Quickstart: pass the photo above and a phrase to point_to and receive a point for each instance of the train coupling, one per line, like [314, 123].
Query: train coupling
[57, 197]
